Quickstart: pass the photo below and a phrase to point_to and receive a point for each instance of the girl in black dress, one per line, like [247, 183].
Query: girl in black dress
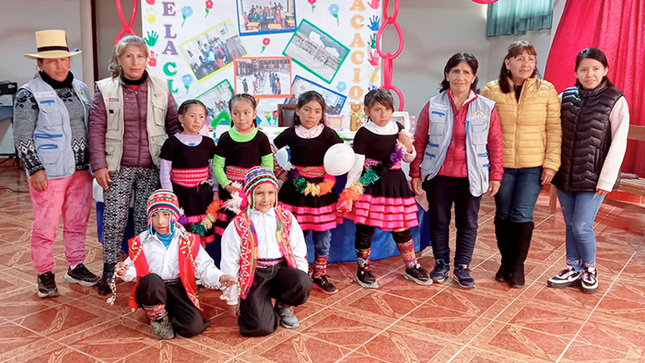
[308, 192]
[377, 193]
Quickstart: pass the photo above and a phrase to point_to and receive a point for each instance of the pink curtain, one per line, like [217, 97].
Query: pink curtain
[617, 27]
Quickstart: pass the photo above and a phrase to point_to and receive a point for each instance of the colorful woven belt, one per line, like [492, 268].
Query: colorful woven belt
[189, 178]
[268, 262]
[373, 162]
[236, 173]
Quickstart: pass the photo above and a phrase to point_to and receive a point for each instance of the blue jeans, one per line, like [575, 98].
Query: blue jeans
[579, 210]
[322, 242]
[516, 198]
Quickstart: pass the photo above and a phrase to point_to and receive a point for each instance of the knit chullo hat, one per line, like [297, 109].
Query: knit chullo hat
[164, 200]
[255, 177]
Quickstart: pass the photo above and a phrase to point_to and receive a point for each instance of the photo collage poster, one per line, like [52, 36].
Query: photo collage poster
[272, 49]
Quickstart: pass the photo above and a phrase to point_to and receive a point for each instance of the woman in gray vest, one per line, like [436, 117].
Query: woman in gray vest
[132, 114]
[459, 157]
[595, 124]
[50, 132]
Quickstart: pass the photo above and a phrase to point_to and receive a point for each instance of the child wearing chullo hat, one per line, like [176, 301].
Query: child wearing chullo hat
[165, 261]
[265, 248]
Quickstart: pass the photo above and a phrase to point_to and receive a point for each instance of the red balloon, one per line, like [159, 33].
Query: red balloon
[485, 1]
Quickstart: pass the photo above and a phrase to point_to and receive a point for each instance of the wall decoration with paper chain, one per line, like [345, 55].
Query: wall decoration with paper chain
[272, 49]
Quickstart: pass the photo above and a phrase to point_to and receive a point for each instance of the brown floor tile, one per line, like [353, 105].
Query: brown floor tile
[544, 318]
[297, 348]
[176, 350]
[341, 328]
[437, 320]
[396, 345]
[579, 352]
[606, 333]
[519, 343]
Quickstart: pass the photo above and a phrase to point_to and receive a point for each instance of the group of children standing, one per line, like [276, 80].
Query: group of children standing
[263, 247]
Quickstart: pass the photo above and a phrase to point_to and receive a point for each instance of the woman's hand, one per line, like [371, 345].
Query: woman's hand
[602, 192]
[547, 175]
[103, 178]
[406, 139]
[493, 188]
[416, 186]
[231, 189]
[227, 280]
[39, 180]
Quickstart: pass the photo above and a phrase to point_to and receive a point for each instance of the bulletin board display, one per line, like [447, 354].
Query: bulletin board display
[272, 49]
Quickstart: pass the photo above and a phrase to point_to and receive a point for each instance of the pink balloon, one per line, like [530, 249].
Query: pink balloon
[484, 1]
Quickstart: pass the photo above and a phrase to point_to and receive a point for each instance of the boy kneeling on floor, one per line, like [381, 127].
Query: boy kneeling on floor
[165, 260]
[265, 248]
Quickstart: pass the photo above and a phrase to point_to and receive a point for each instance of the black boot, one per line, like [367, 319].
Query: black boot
[502, 232]
[523, 232]
[106, 279]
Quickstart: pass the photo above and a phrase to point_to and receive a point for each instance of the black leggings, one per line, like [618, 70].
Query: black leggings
[364, 235]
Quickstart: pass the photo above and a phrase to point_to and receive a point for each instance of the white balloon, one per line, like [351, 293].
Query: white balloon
[282, 157]
[339, 159]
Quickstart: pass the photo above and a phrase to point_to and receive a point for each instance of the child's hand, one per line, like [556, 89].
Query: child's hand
[216, 195]
[227, 280]
[406, 139]
[231, 189]
[344, 206]
[121, 269]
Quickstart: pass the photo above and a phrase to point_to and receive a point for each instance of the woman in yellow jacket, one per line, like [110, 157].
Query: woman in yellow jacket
[529, 110]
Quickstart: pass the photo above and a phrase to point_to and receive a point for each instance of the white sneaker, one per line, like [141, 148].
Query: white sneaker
[565, 278]
[589, 280]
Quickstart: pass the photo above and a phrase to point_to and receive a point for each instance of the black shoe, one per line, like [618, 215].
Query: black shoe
[365, 279]
[106, 279]
[517, 277]
[418, 274]
[502, 274]
[81, 275]
[440, 271]
[323, 284]
[463, 278]
[503, 235]
[47, 285]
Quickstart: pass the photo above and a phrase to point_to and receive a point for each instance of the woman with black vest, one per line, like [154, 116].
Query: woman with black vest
[133, 113]
[595, 123]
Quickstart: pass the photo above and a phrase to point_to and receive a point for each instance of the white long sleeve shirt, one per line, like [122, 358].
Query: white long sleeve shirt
[165, 261]
[266, 227]
[619, 123]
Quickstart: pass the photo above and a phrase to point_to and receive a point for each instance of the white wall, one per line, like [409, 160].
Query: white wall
[19, 19]
[435, 30]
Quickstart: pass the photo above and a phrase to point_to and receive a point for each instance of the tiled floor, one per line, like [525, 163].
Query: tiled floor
[400, 322]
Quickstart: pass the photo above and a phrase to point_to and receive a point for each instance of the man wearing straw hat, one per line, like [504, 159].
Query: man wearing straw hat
[50, 132]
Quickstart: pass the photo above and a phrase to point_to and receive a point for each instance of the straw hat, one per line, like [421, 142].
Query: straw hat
[51, 44]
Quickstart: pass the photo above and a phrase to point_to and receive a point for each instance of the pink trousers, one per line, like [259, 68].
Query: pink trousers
[70, 197]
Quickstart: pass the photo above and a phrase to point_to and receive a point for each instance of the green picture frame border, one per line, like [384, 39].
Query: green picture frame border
[294, 59]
